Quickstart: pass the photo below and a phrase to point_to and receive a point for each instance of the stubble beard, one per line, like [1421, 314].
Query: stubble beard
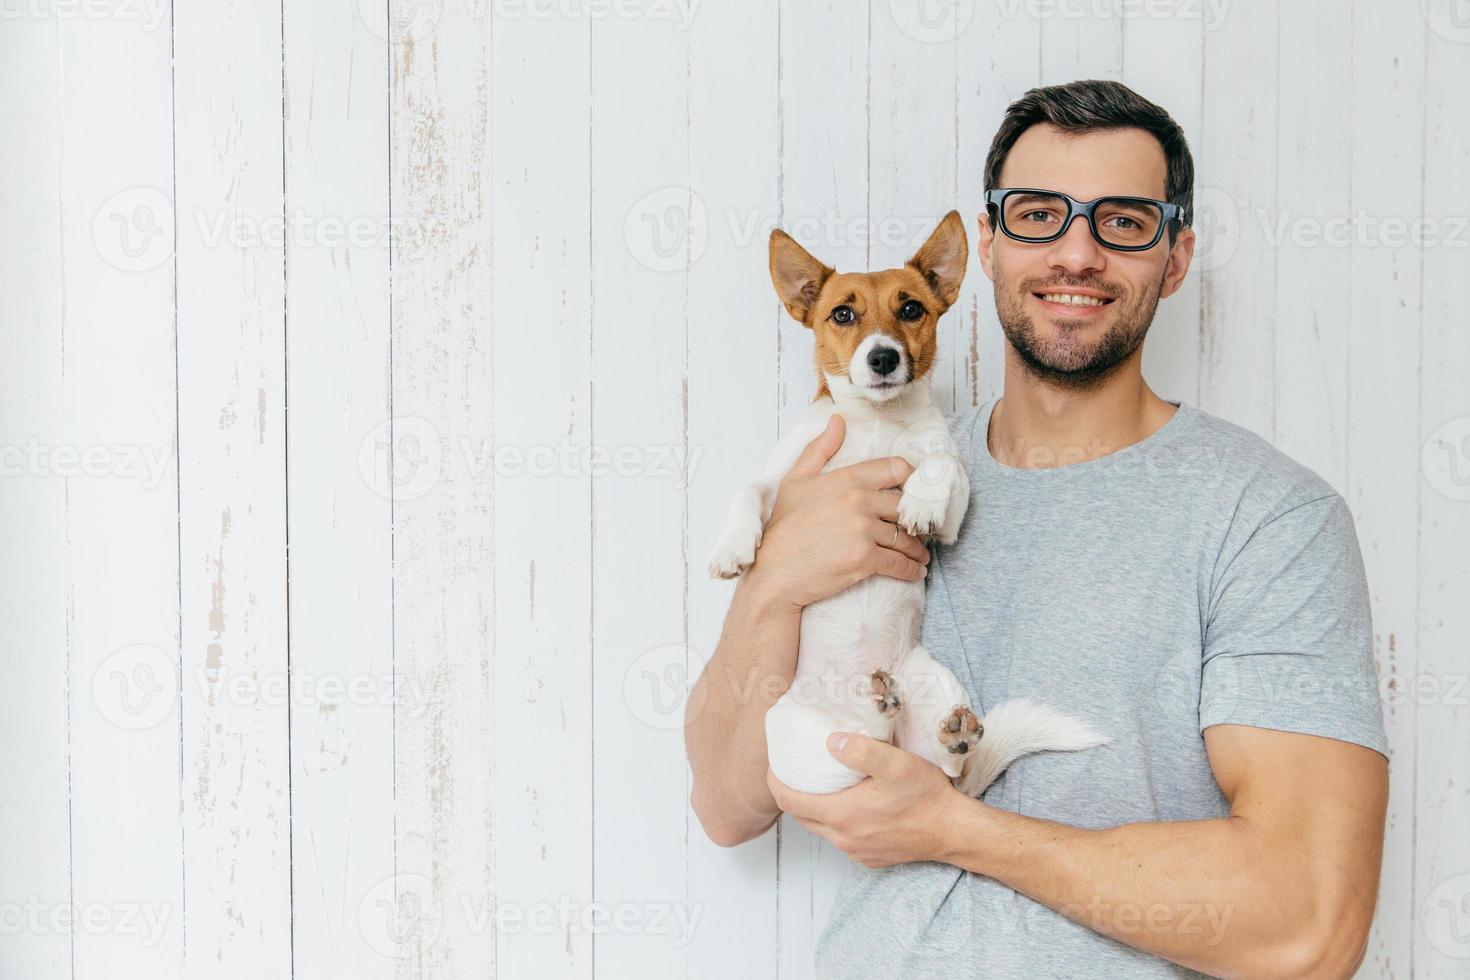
[1062, 362]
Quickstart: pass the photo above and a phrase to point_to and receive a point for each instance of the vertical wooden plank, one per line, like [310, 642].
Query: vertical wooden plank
[997, 62]
[1440, 929]
[647, 227]
[337, 485]
[122, 532]
[1078, 41]
[444, 569]
[1237, 158]
[542, 394]
[1162, 62]
[34, 812]
[232, 520]
[733, 379]
[822, 117]
[1383, 406]
[825, 142]
[1313, 269]
[913, 143]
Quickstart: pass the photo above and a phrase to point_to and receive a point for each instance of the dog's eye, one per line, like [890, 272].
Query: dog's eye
[912, 310]
[843, 315]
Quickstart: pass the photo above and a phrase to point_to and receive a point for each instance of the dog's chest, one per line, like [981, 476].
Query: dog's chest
[867, 439]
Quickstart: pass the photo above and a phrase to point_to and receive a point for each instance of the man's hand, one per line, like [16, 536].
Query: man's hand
[831, 530]
[893, 817]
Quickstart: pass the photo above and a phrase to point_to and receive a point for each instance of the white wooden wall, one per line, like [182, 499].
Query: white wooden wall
[352, 579]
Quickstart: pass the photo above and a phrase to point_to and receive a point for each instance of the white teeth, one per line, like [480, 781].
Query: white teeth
[1072, 299]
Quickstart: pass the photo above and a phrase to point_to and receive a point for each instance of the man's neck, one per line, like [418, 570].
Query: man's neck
[1037, 425]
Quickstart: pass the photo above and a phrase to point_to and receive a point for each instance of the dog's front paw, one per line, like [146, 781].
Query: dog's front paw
[734, 553]
[919, 515]
[959, 735]
[926, 496]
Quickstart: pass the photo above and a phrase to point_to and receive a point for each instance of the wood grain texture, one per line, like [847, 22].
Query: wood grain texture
[444, 584]
[542, 396]
[232, 483]
[128, 821]
[734, 324]
[340, 573]
[362, 651]
[1439, 917]
[35, 839]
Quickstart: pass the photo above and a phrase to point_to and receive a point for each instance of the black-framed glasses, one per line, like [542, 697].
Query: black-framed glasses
[1127, 224]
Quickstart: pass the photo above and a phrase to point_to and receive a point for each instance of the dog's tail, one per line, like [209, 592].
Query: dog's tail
[1020, 727]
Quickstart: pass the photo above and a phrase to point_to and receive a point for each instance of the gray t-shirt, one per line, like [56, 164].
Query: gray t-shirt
[1195, 578]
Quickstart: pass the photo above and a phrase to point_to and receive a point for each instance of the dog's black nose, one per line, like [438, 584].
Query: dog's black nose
[882, 360]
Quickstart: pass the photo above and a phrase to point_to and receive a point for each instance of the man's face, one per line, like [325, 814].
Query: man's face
[1067, 344]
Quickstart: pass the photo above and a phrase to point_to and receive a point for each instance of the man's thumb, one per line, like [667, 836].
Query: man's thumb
[821, 449]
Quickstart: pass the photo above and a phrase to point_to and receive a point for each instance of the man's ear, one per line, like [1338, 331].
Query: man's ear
[796, 275]
[985, 245]
[941, 260]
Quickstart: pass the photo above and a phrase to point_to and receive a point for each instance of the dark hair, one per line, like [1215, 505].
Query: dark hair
[1090, 105]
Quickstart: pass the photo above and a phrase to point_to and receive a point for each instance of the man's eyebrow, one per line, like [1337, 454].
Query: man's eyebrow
[1031, 196]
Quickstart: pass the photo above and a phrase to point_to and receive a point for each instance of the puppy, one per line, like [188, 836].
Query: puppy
[860, 666]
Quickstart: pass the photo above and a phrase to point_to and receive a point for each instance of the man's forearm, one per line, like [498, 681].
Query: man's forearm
[724, 730]
[1220, 896]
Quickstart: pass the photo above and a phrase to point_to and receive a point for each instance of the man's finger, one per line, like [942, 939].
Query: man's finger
[902, 542]
[820, 450]
[896, 565]
[884, 504]
[877, 474]
[854, 749]
[817, 827]
[808, 806]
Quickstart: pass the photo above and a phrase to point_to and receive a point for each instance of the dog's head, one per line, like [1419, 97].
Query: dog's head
[875, 331]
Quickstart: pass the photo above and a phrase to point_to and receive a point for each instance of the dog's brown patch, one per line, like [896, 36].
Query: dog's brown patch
[812, 291]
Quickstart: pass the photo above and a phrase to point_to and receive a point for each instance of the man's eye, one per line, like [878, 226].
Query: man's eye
[1037, 216]
[912, 310]
[843, 315]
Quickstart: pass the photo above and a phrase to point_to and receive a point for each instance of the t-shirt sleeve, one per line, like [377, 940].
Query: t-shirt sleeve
[1289, 641]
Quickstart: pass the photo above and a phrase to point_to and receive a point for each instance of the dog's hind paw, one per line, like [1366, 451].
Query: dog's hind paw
[959, 735]
[881, 691]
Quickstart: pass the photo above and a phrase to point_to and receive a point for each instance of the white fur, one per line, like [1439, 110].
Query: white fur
[875, 624]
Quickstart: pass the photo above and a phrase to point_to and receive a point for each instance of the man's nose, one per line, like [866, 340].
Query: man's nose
[882, 360]
[1077, 252]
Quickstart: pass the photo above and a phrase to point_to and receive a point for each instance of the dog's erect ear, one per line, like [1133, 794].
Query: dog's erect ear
[796, 275]
[941, 260]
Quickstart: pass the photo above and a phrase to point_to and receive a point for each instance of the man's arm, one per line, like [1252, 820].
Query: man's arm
[724, 729]
[827, 531]
[1283, 887]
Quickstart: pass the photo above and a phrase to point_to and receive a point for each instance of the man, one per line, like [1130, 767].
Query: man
[1168, 577]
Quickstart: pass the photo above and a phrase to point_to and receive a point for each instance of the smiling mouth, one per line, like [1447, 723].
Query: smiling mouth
[1076, 301]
